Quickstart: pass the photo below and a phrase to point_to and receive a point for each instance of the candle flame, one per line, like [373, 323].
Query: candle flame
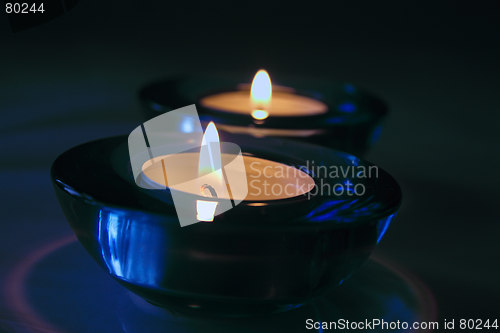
[209, 163]
[260, 94]
[210, 156]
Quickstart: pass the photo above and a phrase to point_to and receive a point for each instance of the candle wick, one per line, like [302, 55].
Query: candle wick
[205, 187]
[260, 107]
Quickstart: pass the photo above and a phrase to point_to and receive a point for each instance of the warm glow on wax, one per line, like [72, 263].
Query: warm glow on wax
[263, 100]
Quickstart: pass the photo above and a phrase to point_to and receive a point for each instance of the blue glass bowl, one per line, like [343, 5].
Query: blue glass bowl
[258, 257]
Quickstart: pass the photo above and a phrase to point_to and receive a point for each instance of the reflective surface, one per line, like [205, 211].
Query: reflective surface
[100, 305]
[249, 260]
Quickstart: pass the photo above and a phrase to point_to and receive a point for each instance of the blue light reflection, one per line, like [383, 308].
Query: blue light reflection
[383, 225]
[347, 107]
[130, 247]
[376, 134]
[187, 125]
[349, 88]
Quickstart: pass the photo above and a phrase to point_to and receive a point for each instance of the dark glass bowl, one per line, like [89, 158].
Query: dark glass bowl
[257, 257]
[352, 122]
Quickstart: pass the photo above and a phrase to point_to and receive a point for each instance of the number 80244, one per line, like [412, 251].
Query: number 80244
[23, 8]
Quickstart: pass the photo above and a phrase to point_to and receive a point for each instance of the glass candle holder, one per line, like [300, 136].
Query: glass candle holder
[351, 120]
[261, 256]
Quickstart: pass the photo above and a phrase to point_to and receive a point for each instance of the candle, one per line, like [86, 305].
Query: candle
[317, 111]
[251, 178]
[265, 251]
[267, 180]
[263, 100]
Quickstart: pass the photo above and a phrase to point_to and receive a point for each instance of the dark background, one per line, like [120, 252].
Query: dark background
[75, 79]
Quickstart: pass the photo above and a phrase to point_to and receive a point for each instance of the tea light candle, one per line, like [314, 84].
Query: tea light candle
[316, 111]
[206, 172]
[262, 175]
[262, 101]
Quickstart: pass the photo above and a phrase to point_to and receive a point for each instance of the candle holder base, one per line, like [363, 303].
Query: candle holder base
[98, 304]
